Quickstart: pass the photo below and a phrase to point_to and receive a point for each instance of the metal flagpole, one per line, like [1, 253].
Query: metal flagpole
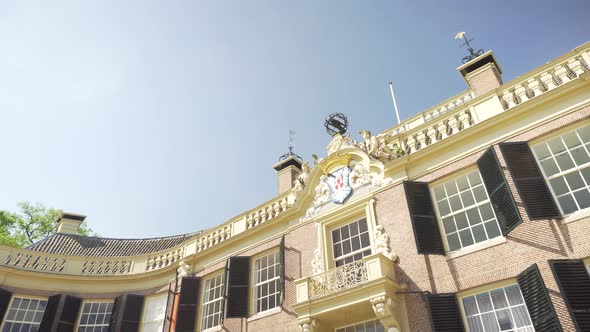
[394, 103]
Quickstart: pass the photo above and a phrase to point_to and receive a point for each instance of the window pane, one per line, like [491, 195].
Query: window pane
[480, 194]
[467, 198]
[453, 240]
[580, 156]
[461, 220]
[479, 233]
[583, 198]
[542, 151]
[451, 188]
[455, 202]
[439, 193]
[449, 225]
[567, 203]
[574, 180]
[473, 216]
[443, 207]
[470, 306]
[571, 140]
[556, 145]
[564, 161]
[559, 186]
[466, 238]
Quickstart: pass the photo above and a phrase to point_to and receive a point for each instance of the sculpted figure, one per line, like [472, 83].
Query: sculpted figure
[339, 142]
[183, 269]
[375, 147]
[301, 180]
[322, 191]
[359, 174]
[317, 263]
[382, 243]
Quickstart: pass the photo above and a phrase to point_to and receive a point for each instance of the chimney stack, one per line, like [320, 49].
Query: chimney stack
[288, 170]
[69, 223]
[482, 74]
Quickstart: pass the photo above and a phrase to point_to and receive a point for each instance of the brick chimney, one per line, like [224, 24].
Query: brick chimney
[69, 223]
[482, 74]
[288, 170]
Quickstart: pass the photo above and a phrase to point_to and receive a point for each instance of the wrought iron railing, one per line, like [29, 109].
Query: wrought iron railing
[338, 279]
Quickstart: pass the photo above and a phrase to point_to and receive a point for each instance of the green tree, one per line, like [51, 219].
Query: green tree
[32, 223]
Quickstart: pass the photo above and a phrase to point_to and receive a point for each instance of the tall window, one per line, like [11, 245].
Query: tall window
[24, 315]
[212, 302]
[267, 281]
[501, 309]
[465, 210]
[154, 313]
[565, 161]
[95, 317]
[370, 326]
[351, 242]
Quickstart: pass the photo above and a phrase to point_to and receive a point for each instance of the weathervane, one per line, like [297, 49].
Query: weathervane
[336, 123]
[290, 153]
[472, 53]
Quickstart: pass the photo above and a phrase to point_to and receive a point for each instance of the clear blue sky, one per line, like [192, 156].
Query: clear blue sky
[165, 117]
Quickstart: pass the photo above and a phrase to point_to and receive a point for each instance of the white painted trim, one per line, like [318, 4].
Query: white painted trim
[266, 313]
[476, 247]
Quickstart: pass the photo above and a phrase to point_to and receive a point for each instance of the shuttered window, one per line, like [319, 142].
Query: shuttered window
[267, 282]
[5, 297]
[529, 181]
[444, 312]
[154, 313]
[213, 291]
[238, 287]
[501, 309]
[426, 230]
[24, 314]
[565, 162]
[61, 313]
[499, 192]
[574, 283]
[537, 300]
[464, 208]
[186, 317]
[95, 316]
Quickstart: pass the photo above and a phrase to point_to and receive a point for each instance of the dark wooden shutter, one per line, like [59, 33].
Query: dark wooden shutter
[238, 287]
[61, 313]
[574, 282]
[170, 301]
[126, 313]
[5, 297]
[444, 312]
[426, 231]
[537, 300]
[529, 180]
[498, 191]
[186, 317]
[282, 260]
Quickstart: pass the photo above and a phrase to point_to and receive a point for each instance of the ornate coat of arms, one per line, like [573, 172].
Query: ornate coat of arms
[340, 185]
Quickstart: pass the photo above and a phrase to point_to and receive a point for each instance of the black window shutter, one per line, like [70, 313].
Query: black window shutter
[499, 191]
[574, 283]
[444, 312]
[61, 313]
[537, 300]
[282, 260]
[426, 231]
[126, 313]
[529, 180]
[238, 287]
[5, 297]
[186, 317]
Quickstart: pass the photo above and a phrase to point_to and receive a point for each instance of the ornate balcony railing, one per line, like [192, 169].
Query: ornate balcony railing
[349, 276]
[338, 279]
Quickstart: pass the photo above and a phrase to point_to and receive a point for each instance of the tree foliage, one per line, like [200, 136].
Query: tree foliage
[30, 224]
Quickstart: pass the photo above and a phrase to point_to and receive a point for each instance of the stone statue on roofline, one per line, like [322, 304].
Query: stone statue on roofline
[375, 146]
[301, 180]
[183, 269]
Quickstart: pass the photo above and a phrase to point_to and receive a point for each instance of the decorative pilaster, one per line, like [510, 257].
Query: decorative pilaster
[383, 307]
[309, 324]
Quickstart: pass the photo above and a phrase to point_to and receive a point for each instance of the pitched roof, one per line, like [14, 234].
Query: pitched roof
[78, 245]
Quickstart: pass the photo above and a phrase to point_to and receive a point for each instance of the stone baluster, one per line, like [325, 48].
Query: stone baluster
[256, 218]
[417, 143]
[277, 208]
[547, 80]
[520, 93]
[427, 137]
[508, 98]
[270, 212]
[575, 66]
[561, 74]
[284, 204]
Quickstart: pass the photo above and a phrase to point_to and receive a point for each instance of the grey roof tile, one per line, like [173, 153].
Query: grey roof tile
[78, 245]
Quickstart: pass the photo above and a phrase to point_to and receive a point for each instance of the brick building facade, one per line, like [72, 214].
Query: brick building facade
[473, 215]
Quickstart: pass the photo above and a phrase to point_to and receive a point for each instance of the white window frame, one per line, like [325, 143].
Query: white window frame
[204, 304]
[254, 283]
[476, 245]
[145, 310]
[92, 301]
[352, 253]
[363, 322]
[20, 296]
[580, 213]
[488, 289]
